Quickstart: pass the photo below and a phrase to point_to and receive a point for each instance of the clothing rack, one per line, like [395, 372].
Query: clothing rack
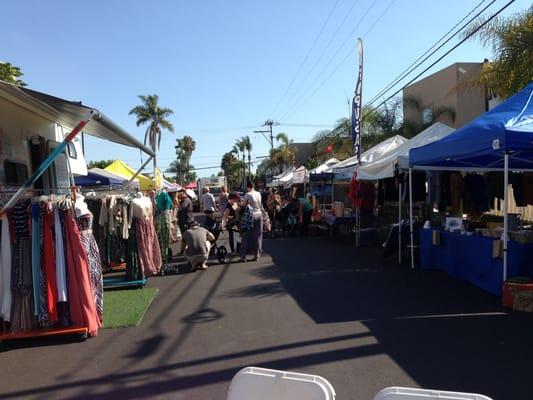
[80, 332]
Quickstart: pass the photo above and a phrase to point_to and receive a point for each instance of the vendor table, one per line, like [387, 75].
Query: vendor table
[470, 258]
[334, 223]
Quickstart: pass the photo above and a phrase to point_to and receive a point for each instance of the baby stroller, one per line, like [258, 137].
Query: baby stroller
[215, 227]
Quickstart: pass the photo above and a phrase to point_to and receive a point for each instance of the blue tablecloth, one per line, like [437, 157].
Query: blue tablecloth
[470, 258]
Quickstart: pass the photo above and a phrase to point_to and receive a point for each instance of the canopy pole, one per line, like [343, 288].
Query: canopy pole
[139, 171]
[399, 222]
[505, 211]
[411, 217]
[48, 161]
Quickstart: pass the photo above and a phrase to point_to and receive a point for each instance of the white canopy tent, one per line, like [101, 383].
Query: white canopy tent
[327, 166]
[344, 169]
[383, 167]
[300, 176]
[281, 179]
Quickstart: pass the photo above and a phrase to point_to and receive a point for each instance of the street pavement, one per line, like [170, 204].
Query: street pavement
[310, 305]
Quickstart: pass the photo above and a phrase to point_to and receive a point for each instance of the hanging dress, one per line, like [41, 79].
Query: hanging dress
[5, 271]
[92, 252]
[49, 266]
[147, 241]
[81, 299]
[22, 315]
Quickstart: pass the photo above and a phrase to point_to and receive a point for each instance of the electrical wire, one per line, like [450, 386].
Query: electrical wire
[444, 55]
[350, 35]
[415, 64]
[305, 58]
[321, 56]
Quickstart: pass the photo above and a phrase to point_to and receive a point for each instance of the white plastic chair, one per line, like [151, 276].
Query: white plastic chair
[402, 393]
[252, 383]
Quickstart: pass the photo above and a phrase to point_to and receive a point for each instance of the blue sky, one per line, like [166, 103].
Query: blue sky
[223, 66]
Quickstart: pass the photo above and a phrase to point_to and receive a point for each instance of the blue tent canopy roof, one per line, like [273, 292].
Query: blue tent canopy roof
[481, 144]
[99, 177]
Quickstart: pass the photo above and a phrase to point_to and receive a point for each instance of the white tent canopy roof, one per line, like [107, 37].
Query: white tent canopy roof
[345, 169]
[301, 175]
[383, 167]
[280, 179]
[325, 167]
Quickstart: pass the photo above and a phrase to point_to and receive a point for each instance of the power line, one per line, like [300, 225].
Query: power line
[306, 57]
[296, 103]
[418, 61]
[317, 61]
[379, 18]
[445, 54]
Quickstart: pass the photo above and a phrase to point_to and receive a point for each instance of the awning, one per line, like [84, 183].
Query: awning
[69, 114]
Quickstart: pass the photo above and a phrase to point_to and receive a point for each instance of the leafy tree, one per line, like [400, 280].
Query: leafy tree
[149, 112]
[10, 73]
[99, 164]
[511, 39]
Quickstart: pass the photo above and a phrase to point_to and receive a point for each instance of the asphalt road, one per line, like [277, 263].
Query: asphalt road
[310, 305]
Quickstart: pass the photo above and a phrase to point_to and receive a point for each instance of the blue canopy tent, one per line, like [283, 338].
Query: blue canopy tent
[499, 140]
[99, 177]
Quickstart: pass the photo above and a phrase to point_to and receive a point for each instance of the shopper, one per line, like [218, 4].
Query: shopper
[222, 199]
[252, 240]
[197, 244]
[273, 206]
[208, 203]
[230, 218]
[304, 213]
[185, 214]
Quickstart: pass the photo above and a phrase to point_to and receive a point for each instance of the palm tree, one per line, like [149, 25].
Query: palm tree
[184, 148]
[247, 144]
[150, 113]
[285, 154]
[511, 38]
[240, 147]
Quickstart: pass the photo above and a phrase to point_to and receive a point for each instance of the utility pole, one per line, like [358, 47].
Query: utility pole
[270, 138]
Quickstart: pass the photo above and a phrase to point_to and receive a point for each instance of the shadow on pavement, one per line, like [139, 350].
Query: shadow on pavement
[444, 333]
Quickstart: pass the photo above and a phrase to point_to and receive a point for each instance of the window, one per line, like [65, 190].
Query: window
[16, 173]
[427, 115]
[72, 153]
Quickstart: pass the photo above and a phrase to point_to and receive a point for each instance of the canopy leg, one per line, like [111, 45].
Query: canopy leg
[400, 223]
[505, 211]
[411, 217]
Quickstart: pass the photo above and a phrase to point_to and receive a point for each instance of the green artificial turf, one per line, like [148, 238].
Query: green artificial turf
[124, 308]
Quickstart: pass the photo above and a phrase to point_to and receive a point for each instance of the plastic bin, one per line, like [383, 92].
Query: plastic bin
[402, 393]
[252, 383]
